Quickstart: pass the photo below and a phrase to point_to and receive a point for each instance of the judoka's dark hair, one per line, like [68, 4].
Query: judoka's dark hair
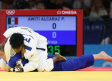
[16, 40]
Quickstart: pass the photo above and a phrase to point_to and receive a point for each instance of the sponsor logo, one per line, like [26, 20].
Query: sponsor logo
[58, 12]
[66, 12]
[10, 12]
[105, 64]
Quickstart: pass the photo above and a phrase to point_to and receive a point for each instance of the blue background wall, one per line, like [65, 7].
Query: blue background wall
[95, 49]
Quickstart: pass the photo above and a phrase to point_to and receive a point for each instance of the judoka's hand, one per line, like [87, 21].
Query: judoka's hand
[19, 66]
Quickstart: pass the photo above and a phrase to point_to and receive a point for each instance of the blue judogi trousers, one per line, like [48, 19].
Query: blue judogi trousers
[68, 65]
[73, 64]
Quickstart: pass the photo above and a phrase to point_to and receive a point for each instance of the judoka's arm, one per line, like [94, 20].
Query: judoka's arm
[32, 64]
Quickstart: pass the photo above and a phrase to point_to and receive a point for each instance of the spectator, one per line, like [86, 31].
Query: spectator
[78, 4]
[7, 4]
[98, 9]
[83, 4]
[51, 4]
[107, 40]
[21, 4]
[106, 4]
[4, 5]
[10, 6]
[40, 5]
[63, 4]
[59, 4]
[32, 4]
[66, 5]
[0, 4]
[110, 13]
[69, 1]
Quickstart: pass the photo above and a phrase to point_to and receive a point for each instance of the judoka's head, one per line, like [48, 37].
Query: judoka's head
[17, 42]
[2, 53]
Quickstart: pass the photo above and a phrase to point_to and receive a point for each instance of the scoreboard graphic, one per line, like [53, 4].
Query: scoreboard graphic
[62, 28]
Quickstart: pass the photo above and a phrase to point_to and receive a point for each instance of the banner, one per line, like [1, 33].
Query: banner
[93, 29]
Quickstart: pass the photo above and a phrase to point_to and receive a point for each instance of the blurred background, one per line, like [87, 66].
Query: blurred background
[97, 20]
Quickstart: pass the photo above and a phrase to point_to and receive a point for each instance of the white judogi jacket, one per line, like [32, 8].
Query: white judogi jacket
[37, 58]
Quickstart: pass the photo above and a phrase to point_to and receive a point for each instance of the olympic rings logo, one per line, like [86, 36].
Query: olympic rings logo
[10, 12]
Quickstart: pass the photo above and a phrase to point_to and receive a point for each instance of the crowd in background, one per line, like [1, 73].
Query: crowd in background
[101, 9]
[92, 8]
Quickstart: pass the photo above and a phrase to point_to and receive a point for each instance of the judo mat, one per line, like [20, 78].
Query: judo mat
[87, 74]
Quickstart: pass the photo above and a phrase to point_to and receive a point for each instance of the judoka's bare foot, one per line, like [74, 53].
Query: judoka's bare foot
[58, 57]
[103, 56]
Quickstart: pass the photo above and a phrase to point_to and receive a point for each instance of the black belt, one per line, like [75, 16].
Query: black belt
[41, 49]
